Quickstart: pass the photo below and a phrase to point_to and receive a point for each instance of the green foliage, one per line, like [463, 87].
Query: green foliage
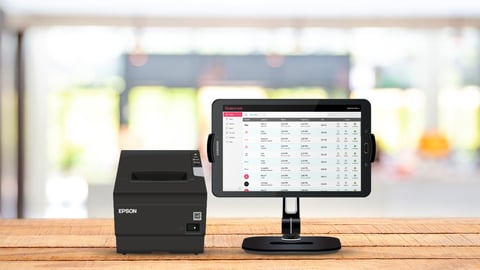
[69, 156]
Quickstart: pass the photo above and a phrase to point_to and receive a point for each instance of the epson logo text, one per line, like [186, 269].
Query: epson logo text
[127, 210]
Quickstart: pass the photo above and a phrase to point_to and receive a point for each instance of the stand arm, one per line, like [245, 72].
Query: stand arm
[291, 222]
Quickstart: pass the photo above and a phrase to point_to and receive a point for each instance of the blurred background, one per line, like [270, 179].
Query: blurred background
[79, 81]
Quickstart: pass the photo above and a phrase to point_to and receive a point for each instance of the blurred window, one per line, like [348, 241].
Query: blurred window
[459, 117]
[82, 147]
[417, 80]
[163, 118]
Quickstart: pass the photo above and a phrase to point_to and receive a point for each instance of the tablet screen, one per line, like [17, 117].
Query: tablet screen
[300, 148]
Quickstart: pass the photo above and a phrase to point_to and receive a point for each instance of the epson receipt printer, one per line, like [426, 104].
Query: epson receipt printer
[160, 202]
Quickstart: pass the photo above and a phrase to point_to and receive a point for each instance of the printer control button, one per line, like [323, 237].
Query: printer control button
[193, 227]
[198, 171]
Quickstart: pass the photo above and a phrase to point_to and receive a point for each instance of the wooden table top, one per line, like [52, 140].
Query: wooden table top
[366, 244]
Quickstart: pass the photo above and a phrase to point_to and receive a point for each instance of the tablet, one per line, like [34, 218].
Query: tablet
[291, 148]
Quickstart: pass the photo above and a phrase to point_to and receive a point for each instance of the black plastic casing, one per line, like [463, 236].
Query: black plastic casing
[160, 202]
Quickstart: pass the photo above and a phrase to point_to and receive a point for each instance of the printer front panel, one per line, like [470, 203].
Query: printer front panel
[160, 219]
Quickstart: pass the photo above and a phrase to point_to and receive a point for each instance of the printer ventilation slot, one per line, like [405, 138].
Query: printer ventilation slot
[159, 176]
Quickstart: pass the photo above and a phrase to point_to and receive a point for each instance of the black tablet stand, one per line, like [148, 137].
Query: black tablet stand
[291, 241]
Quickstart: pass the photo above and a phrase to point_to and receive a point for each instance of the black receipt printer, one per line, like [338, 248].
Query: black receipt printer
[160, 202]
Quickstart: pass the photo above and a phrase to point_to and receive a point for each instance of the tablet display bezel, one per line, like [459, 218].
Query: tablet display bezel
[217, 146]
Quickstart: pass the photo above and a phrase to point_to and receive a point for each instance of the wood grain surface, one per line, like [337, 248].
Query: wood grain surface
[366, 244]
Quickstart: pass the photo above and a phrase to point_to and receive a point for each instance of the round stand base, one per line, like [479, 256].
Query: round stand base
[304, 245]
